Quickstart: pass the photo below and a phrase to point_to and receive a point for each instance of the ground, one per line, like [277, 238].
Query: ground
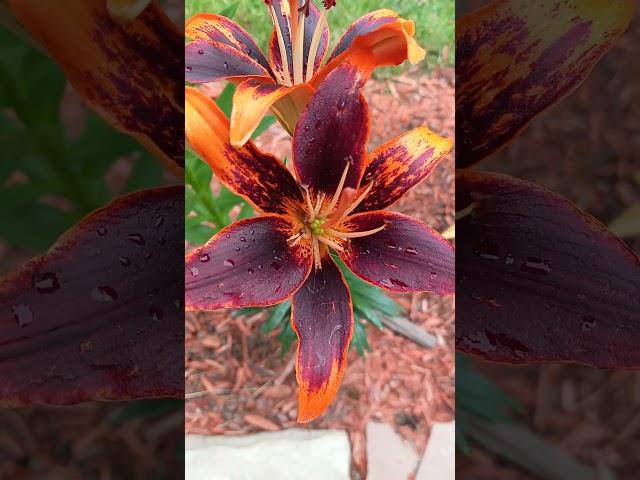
[237, 381]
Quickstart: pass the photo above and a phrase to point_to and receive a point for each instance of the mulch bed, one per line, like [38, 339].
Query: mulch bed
[239, 383]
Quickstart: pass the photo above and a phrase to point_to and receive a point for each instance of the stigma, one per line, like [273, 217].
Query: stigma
[321, 218]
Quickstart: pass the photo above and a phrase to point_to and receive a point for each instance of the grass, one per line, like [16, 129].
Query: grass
[435, 26]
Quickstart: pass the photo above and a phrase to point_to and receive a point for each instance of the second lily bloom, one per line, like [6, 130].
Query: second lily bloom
[285, 82]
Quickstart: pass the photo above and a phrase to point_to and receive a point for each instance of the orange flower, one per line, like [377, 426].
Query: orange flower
[221, 49]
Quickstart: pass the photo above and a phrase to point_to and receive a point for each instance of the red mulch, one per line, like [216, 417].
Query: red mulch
[238, 381]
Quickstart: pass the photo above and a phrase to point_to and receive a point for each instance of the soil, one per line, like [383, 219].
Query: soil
[237, 380]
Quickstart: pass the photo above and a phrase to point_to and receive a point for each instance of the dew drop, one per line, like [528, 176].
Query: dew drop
[276, 266]
[124, 261]
[411, 251]
[155, 313]
[102, 231]
[251, 271]
[433, 274]
[249, 51]
[148, 254]
[252, 231]
[229, 263]
[159, 221]
[260, 267]
[200, 52]
[47, 283]
[104, 294]
[188, 68]
[588, 323]
[194, 271]
[390, 244]
[204, 258]
[509, 259]
[307, 128]
[136, 238]
[228, 236]
[243, 240]
[536, 266]
[237, 249]
[22, 314]
[225, 65]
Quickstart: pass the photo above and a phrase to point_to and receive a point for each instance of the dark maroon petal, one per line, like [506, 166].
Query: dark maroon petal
[208, 26]
[332, 131]
[322, 316]
[207, 61]
[407, 256]
[539, 280]
[248, 264]
[100, 315]
[514, 60]
[310, 24]
[367, 24]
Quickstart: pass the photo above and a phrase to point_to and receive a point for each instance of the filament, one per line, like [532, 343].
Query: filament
[298, 55]
[335, 233]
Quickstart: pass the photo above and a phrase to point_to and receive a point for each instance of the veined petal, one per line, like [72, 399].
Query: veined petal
[378, 39]
[249, 263]
[399, 164]
[282, 10]
[322, 316]
[260, 178]
[407, 256]
[516, 59]
[207, 61]
[99, 316]
[253, 99]
[540, 280]
[216, 28]
[332, 131]
[125, 72]
[310, 24]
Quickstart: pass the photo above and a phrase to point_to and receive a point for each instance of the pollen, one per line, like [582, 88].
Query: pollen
[321, 219]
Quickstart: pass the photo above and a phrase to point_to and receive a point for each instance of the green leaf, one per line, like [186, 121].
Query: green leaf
[245, 312]
[280, 313]
[359, 341]
[196, 233]
[197, 173]
[225, 99]
[43, 82]
[264, 125]
[286, 337]
[230, 11]
[146, 173]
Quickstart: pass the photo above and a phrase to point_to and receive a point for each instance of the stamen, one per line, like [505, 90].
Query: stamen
[318, 206]
[309, 204]
[331, 243]
[336, 196]
[315, 44]
[466, 211]
[316, 253]
[358, 200]
[295, 242]
[283, 52]
[337, 234]
[298, 55]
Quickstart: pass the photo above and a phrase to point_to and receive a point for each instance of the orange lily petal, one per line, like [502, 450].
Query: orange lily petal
[406, 256]
[322, 317]
[250, 263]
[378, 39]
[399, 164]
[258, 177]
[254, 98]
[126, 72]
[216, 28]
[516, 59]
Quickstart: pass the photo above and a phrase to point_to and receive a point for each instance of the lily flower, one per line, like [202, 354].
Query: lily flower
[333, 202]
[221, 49]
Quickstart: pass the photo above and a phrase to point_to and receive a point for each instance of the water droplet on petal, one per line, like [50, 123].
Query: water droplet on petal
[104, 294]
[47, 283]
[124, 261]
[243, 240]
[188, 68]
[307, 128]
[411, 251]
[159, 221]
[102, 231]
[252, 231]
[509, 259]
[22, 314]
[194, 271]
[225, 65]
[136, 238]
[390, 244]
[536, 266]
[251, 271]
[155, 313]
[201, 52]
[588, 323]
[204, 258]
[229, 263]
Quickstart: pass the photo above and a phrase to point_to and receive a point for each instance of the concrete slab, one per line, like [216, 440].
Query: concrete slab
[439, 459]
[286, 455]
[388, 456]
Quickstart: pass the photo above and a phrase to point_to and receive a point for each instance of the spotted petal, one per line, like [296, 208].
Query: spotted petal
[260, 178]
[126, 72]
[539, 280]
[332, 132]
[398, 165]
[216, 28]
[99, 316]
[207, 61]
[322, 316]
[515, 59]
[407, 256]
[249, 263]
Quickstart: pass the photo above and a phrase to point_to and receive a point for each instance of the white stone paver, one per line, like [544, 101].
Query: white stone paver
[388, 456]
[439, 459]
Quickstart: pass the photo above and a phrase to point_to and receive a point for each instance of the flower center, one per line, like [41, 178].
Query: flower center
[319, 219]
[297, 35]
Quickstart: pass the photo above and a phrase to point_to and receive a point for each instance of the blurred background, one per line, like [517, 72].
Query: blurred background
[586, 149]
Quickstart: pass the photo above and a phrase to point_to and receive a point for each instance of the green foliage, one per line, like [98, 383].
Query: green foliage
[478, 397]
[49, 178]
[435, 26]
